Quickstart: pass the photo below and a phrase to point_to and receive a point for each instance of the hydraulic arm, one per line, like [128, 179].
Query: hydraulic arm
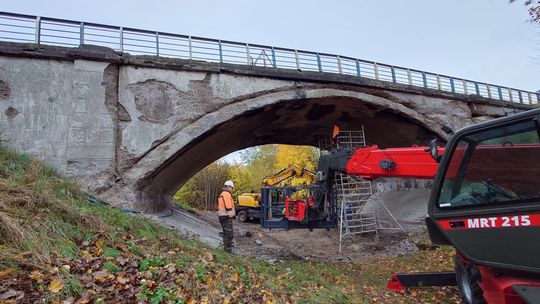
[372, 162]
[292, 170]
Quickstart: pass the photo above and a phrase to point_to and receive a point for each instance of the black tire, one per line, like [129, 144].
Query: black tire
[242, 215]
[468, 279]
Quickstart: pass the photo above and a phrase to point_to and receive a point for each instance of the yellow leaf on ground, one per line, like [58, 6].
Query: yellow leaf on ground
[6, 272]
[36, 275]
[56, 285]
[209, 257]
[235, 277]
[101, 276]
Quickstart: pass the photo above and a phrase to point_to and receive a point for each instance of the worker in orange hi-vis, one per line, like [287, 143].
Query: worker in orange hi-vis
[226, 213]
[335, 133]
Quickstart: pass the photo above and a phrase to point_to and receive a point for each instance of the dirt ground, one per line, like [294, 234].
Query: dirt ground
[408, 207]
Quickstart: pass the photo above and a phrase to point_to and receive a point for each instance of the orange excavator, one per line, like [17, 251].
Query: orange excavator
[485, 202]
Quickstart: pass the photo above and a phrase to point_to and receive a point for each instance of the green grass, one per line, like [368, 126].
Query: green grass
[111, 267]
[186, 206]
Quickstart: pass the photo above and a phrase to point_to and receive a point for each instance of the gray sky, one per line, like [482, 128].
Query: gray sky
[483, 40]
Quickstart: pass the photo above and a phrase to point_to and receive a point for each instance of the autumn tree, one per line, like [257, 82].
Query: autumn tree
[202, 190]
[533, 7]
[259, 163]
[303, 156]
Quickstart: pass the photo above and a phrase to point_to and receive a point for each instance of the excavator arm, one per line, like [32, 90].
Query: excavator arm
[292, 170]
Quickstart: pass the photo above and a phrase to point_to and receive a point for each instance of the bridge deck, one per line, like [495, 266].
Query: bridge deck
[69, 33]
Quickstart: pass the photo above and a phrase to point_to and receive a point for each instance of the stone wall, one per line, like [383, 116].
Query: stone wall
[55, 111]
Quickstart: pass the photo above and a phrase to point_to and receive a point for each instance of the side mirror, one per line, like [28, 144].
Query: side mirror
[433, 144]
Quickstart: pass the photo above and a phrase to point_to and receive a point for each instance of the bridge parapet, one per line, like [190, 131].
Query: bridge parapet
[69, 33]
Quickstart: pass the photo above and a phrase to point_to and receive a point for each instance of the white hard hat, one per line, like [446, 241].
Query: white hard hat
[229, 183]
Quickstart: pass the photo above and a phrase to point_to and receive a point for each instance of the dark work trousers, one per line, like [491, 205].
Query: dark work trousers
[226, 224]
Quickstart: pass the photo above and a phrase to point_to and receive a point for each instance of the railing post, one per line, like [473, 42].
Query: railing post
[81, 33]
[190, 48]
[537, 98]
[510, 95]
[424, 79]
[464, 87]
[520, 97]
[358, 68]
[500, 93]
[297, 60]
[394, 80]
[319, 64]
[220, 52]
[489, 91]
[38, 30]
[530, 97]
[247, 54]
[157, 43]
[452, 85]
[339, 64]
[121, 39]
[376, 69]
[274, 64]
[477, 89]
[439, 83]
[409, 76]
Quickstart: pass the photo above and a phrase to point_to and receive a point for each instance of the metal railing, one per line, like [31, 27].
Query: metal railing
[52, 31]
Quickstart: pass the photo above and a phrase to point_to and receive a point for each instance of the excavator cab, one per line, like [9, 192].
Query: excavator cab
[486, 203]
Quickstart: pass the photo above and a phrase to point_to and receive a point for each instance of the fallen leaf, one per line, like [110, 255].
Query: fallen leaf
[121, 261]
[207, 256]
[85, 298]
[101, 276]
[171, 269]
[56, 285]
[122, 280]
[6, 272]
[11, 294]
[36, 275]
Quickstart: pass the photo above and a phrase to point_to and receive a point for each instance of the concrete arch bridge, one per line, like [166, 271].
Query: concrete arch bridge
[133, 129]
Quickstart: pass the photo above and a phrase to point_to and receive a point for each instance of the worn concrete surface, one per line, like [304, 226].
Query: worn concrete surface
[132, 129]
[189, 225]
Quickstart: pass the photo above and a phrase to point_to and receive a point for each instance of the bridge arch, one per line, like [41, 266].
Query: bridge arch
[295, 116]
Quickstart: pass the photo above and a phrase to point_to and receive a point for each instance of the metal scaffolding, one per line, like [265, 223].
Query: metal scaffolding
[358, 208]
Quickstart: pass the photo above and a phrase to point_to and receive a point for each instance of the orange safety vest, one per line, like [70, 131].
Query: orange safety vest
[226, 204]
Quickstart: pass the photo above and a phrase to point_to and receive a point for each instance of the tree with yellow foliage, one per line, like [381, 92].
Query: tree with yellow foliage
[303, 156]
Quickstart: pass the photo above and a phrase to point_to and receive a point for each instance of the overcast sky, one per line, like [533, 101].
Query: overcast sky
[483, 40]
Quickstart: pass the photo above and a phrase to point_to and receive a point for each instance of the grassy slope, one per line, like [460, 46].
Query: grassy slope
[55, 246]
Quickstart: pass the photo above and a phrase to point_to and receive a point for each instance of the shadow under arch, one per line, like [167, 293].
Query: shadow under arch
[298, 122]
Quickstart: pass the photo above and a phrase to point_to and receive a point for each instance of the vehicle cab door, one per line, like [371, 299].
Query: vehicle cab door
[486, 195]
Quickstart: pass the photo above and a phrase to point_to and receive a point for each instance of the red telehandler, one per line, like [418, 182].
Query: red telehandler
[485, 202]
